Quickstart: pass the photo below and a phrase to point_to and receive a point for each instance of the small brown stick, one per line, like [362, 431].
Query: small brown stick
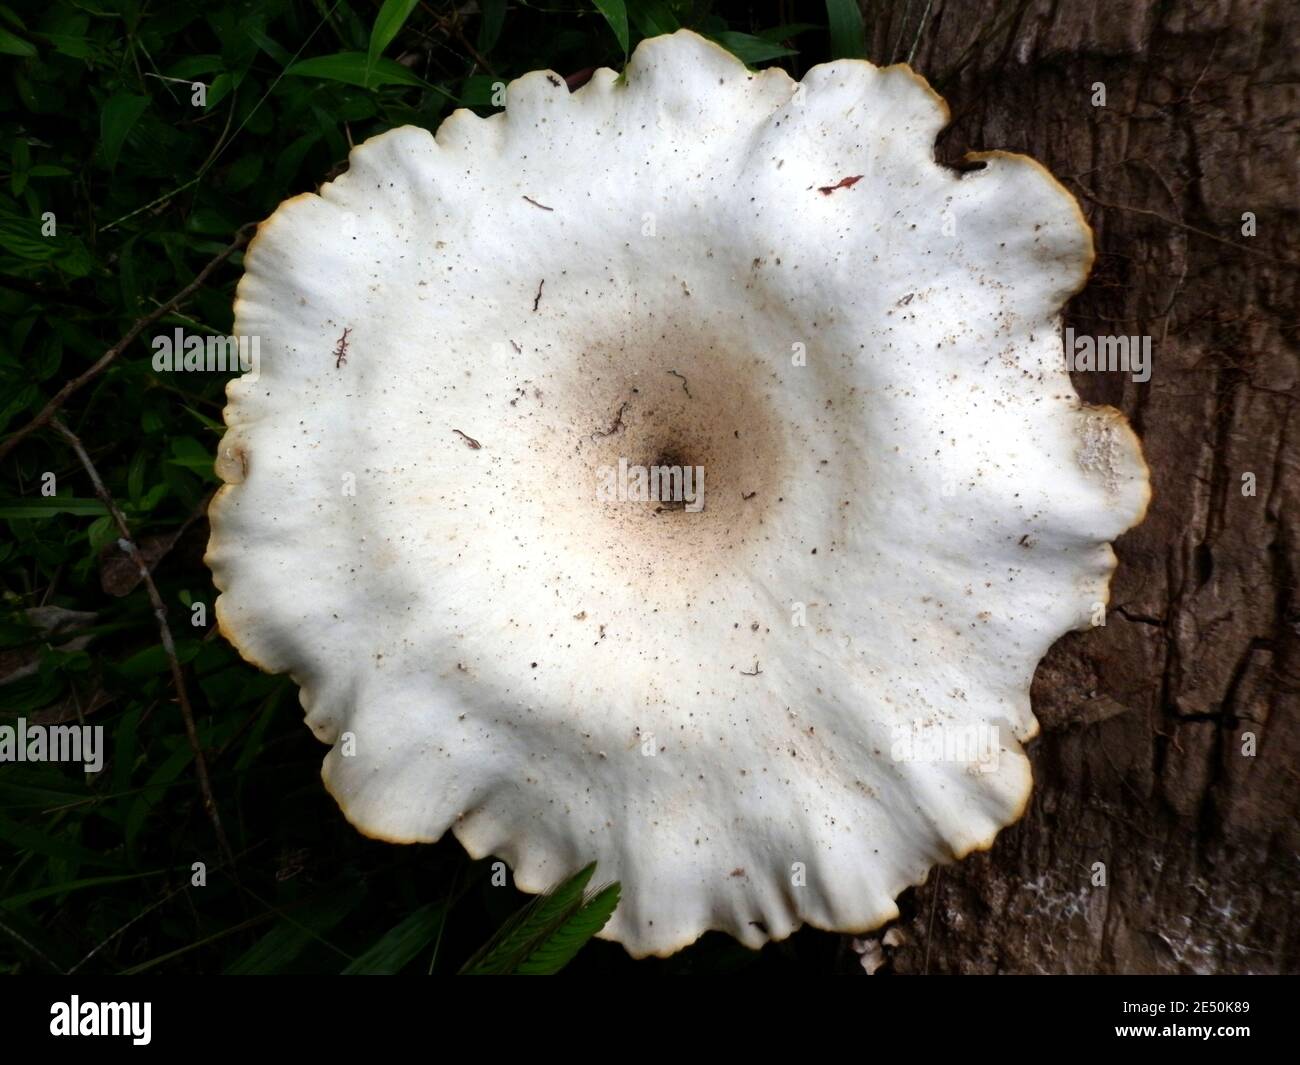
[843, 183]
[105, 360]
[473, 444]
[538, 298]
[536, 204]
[468, 46]
[340, 351]
[615, 425]
[164, 631]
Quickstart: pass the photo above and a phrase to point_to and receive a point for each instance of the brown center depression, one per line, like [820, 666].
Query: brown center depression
[676, 396]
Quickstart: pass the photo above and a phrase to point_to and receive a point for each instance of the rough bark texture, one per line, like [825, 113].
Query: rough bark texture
[1140, 765]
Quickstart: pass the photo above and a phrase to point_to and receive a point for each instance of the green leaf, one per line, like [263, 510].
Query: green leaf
[74, 259]
[155, 787]
[74, 47]
[477, 91]
[778, 34]
[848, 38]
[193, 65]
[154, 661]
[615, 12]
[135, 475]
[652, 17]
[354, 68]
[268, 45]
[242, 173]
[750, 49]
[553, 927]
[252, 746]
[50, 506]
[11, 45]
[120, 113]
[14, 902]
[206, 422]
[156, 494]
[20, 155]
[392, 16]
[489, 29]
[21, 399]
[41, 841]
[290, 159]
[562, 945]
[400, 944]
[189, 454]
[220, 88]
[22, 237]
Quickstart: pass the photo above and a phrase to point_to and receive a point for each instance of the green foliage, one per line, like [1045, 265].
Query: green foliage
[844, 22]
[561, 946]
[354, 68]
[543, 937]
[615, 12]
[392, 16]
[401, 944]
[136, 141]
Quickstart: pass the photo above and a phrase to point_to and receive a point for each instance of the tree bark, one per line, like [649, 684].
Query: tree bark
[1144, 772]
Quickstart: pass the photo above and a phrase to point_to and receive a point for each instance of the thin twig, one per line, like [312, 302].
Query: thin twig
[107, 359]
[929, 931]
[152, 203]
[446, 912]
[1180, 225]
[222, 143]
[902, 25]
[35, 950]
[1197, 84]
[138, 917]
[919, 27]
[127, 543]
[474, 52]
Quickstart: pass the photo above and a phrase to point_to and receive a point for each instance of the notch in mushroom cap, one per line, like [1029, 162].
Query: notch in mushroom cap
[782, 706]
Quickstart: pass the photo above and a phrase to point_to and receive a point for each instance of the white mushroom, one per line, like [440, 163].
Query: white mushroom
[754, 714]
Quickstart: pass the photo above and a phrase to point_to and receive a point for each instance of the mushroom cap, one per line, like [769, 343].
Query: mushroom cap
[755, 714]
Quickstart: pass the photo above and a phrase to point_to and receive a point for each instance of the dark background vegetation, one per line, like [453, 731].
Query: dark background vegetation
[1139, 765]
[146, 189]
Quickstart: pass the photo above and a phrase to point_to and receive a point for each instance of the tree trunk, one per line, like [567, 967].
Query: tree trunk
[1167, 760]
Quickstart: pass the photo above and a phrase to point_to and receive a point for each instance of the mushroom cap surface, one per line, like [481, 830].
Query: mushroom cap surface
[784, 707]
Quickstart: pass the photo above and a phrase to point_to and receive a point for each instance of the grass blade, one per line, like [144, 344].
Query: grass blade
[562, 945]
[847, 34]
[400, 945]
